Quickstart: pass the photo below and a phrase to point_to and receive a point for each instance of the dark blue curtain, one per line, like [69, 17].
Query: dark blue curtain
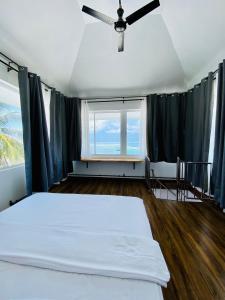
[65, 133]
[179, 125]
[218, 173]
[56, 133]
[65, 162]
[59, 136]
[165, 127]
[26, 112]
[198, 123]
[73, 129]
[38, 161]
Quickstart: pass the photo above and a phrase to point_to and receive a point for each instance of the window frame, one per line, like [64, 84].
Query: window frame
[123, 155]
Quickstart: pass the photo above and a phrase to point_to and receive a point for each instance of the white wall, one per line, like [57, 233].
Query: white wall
[109, 169]
[12, 185]
[10, 77]
[161, 169]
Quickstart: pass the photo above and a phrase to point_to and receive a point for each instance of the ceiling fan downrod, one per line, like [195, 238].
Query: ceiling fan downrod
[120, 25]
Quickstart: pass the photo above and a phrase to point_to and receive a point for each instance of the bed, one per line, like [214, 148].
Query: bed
[86, 247]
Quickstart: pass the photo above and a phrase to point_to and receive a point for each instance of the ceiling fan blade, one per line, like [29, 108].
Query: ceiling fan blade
[142, 12]
[121, 42]
[98, 15]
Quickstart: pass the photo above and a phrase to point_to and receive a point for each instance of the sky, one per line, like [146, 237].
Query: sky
[108, 133]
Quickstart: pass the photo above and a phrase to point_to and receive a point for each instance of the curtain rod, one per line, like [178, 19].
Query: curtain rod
[111, 100]
[127, 98]
[8, 65]
[10, 68]
[138, 97]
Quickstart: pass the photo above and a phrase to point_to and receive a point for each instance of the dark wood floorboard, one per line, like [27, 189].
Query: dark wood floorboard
[191, 236]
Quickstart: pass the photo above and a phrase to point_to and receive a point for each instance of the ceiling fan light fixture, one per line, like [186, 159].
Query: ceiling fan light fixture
[120, 29]
[120, 26]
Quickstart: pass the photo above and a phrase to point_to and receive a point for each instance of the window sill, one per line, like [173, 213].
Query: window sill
[2, 169]
[112, 159]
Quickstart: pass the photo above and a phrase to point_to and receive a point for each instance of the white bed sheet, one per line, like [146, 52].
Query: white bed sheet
[100, 213]
[89, 213]
[29, 283]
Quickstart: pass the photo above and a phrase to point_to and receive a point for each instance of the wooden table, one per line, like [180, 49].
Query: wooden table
[113, 159]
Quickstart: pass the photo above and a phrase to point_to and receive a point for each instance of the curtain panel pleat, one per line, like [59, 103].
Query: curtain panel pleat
[24, 88]
[218, 173]
[73, 129]
[65, 161]
[65, 133]
[38, 161]
[198, 124]
[164, 130]
[56, 132]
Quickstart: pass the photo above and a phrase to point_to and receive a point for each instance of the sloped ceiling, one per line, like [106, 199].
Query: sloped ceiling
[148, 57]
[163, 52]
[197, 29]
[44, 35]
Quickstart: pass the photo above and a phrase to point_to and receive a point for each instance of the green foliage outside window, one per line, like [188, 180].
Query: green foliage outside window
[11, 145]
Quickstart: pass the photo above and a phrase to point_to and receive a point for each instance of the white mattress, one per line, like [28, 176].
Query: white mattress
[89, 213]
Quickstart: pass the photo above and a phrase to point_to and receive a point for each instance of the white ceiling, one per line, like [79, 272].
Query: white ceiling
[109, 7]
[163, 52]
[148, 54]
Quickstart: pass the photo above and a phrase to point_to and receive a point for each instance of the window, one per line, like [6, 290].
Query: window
[134, 139]
[113, 129]
[105, 133]
[213, 127]
[47, 97]
[11, 133]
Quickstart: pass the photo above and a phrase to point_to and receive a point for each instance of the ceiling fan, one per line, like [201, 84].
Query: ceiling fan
[121, 25]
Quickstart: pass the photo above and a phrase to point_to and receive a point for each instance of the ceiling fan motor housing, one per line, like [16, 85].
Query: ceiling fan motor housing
[120, 25]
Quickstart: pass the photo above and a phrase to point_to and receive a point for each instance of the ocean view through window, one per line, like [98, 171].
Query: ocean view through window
[113, 129]
[105, 133]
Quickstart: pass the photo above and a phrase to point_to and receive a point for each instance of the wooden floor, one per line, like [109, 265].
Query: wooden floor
[191, 236]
